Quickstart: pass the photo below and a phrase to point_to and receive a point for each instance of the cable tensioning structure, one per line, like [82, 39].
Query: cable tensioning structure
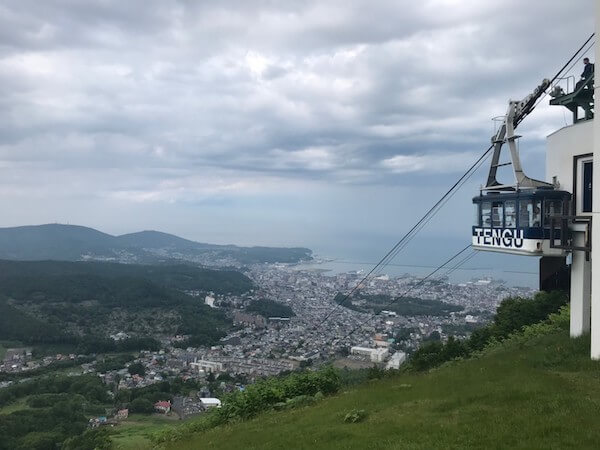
[574, 60]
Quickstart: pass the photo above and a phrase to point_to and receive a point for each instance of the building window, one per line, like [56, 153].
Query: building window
[583, 184]
[586, 187]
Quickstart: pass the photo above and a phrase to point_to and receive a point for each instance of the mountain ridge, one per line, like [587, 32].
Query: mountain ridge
[77, 242]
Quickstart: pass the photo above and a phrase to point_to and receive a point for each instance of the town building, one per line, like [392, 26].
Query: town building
[209, 402]
[122, 414]
[206, 366]
[163, 406]
[376, 355]
[249, 319]
[396, 360]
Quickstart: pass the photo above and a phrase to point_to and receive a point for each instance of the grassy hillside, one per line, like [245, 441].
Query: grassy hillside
[528, 392]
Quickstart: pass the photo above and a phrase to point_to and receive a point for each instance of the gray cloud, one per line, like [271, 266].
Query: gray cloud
[183, 103]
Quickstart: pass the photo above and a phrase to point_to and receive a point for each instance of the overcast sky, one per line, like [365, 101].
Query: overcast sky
[325, 124]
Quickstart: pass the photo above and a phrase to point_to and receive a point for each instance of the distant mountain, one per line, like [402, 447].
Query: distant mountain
[53, 241]
[156, 239]
[75, 243]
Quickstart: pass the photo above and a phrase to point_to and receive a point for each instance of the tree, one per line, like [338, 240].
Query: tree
[90, 440]
[141, 405]
[480, 337]
[514, 313]
[455, 348]
[434, 336]
[137, 369]
[427, 355]
[403, 334]
[41, 440]
[511, 316]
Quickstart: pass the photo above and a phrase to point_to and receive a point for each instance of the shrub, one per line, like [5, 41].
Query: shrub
[141, 405]
[294, 390]
[137, 369]
[301, 400]
[90, 440]
[517, 312]
[46, 400]
[355, 416]
[513, 315]
[428, 355]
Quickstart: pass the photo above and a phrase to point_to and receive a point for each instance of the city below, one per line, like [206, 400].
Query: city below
[319, 326]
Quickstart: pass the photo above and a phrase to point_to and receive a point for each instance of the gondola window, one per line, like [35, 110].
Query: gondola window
[510, 214]
[497, 214]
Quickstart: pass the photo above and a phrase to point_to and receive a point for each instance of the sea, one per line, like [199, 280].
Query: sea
[513, 270]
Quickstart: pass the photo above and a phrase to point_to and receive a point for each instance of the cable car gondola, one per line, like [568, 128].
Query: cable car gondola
[517, 218]
[518, 222]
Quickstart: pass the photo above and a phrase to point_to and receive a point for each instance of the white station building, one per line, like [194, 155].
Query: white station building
[556, 219]
[570, 164]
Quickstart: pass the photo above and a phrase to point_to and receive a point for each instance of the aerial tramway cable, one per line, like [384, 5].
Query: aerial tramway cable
[409, 290]
[463, 261]
[401, 244]
[413, 231]
[559, 73]
[573, 61]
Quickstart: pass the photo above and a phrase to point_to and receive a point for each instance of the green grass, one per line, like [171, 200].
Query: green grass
[133, 433]
[544, 393]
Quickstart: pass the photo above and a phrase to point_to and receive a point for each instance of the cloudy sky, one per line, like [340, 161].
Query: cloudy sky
[327, 124]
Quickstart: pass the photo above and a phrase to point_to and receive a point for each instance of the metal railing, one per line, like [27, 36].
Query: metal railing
[561, 225]
[570, 87]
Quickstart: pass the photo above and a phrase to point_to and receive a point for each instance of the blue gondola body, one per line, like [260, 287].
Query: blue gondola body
[518, 222]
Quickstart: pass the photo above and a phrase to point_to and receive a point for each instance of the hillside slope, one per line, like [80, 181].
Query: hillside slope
[158, 239]
[52, 241]
[50, 302]
[541, 392]
[74, 243]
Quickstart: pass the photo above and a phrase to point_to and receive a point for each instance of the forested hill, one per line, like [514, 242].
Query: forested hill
[78, 303]
[33, 275]
[74, 243]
